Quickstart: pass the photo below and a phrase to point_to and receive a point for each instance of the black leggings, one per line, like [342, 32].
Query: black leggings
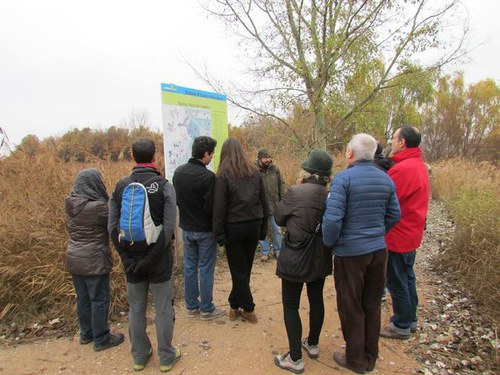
[290, 292]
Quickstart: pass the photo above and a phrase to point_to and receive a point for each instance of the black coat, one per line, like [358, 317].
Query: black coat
[299, 210]
[237, 201]
[194, 188]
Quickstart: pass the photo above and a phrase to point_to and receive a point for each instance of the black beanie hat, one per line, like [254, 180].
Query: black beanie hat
[318, 162]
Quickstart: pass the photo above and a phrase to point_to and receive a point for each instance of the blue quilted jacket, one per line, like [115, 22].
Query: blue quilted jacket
[361, 208]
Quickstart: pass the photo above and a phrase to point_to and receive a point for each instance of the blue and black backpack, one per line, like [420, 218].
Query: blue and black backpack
[137, 227]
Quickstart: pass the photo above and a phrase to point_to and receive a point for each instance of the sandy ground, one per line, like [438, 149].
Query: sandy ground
[214, 347]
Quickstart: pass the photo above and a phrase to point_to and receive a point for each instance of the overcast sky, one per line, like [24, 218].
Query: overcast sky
[68, 63]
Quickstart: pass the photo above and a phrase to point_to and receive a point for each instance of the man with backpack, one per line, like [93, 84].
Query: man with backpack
[141, 223]
[194, 187]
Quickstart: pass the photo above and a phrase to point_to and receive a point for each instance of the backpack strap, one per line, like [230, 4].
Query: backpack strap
[120, 186]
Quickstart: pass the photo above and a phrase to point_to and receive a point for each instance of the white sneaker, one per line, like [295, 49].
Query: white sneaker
[285, 362]
[312, 350]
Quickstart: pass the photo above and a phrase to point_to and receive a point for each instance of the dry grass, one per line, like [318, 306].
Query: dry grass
[472, 192]
[34, 284]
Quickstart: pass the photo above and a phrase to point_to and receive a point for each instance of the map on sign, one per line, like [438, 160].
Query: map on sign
[187, 114]
[183, 124]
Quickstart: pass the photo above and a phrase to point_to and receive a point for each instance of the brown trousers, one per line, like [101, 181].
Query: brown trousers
[359, 282]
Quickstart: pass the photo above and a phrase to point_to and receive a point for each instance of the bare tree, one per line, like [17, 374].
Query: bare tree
[138, 118]
[305, 51]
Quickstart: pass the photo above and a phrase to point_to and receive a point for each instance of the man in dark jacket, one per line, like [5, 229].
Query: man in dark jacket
[150, 268]
[194, 187]
[360, 209]
[411, 177]
[275, 189]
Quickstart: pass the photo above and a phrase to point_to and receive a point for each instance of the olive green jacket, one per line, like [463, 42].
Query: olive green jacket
[274, 184]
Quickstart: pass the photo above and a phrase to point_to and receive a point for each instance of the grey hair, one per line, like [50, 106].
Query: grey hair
[363, 146]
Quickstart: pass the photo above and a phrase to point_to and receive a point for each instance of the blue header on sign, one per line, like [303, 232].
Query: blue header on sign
[170, 87]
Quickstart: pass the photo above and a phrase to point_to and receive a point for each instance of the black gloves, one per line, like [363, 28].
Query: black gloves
[141, 266]
[129, 264]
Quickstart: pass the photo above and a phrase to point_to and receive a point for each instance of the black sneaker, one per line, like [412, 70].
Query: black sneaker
[114, 340]
[85, 341]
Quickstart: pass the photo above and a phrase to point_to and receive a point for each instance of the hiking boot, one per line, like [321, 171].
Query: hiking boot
[85, 341]
[286, 363]
[217, 313]
[234, 314]
[264, 258]
[312, 350]
[249, 316]
[114, 340]
[342, 361]
[413, 327]
[142, 366]
[384, 295]
[193, 313]
[170, 366]
[389, 333]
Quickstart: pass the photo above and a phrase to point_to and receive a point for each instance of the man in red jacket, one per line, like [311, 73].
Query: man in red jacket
[411, 178]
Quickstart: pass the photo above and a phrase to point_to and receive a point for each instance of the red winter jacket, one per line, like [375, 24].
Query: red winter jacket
[411, 178]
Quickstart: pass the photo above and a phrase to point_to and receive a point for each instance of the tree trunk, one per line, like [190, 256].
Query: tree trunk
[319, 138]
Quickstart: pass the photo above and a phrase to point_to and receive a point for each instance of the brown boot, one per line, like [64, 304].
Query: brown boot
[234, 314]
[249, 316]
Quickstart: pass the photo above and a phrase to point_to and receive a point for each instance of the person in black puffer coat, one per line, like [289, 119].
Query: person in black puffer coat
[88, 258]
[300, 210]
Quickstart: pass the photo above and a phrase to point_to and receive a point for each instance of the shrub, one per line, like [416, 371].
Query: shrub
[34, 283]
[471, 191]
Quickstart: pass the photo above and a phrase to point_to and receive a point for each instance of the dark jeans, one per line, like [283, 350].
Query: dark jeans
[240, 251]
[359, 281]
[401, 283]
[92, 307]
[290, 294]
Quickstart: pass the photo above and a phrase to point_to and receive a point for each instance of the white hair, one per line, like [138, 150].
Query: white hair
[363, 146]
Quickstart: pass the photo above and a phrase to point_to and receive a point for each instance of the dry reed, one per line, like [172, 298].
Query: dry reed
[34, 284]
[471, 191]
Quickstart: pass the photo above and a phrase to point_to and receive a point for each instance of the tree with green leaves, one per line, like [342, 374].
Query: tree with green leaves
[304, 52]
[461, 118]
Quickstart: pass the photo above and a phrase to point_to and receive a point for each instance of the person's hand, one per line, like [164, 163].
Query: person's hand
[141, 266]
[128, 265]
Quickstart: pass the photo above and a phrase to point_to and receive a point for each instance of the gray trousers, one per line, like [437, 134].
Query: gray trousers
[137, 295]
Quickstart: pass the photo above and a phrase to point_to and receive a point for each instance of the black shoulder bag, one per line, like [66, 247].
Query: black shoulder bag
[295, 259]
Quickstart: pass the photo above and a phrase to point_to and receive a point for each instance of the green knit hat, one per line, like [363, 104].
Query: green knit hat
[263, 153]
[318, 162]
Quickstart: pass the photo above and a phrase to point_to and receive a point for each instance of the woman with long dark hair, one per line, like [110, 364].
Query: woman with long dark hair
[240, 206]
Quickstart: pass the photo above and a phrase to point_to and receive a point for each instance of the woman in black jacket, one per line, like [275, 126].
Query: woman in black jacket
[300, 211]
[88, 257]
[240, 206]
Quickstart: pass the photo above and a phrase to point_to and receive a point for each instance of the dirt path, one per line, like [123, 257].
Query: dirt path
[216, 347]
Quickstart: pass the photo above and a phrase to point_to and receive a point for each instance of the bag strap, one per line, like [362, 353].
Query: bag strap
[318, 226]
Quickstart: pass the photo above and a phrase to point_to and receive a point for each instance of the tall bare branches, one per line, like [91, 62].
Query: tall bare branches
[305, 51]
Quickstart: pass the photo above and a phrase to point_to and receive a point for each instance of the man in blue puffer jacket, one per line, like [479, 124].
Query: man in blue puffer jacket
[361, 208]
